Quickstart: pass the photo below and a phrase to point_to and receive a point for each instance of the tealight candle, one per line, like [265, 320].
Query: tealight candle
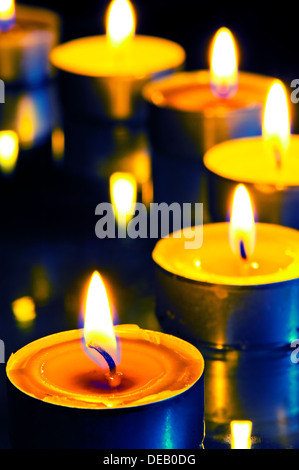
[27, 35]
[228, 293]
[122, 388]
[192, 111]
[31, 114]
[110, 70]
[236, 299]
[267, 164]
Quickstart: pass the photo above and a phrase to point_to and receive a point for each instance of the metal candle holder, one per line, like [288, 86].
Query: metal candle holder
[25, 49]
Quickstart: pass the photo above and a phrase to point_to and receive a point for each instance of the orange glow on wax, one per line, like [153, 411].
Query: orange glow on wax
[276, 122]
[7, 14]
[98, 325]
[242, 229]
[120, 22]
[224, 64]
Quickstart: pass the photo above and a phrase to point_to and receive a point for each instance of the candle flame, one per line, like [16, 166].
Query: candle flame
[242, 230]
[241, 434]
[98, 325]
[276, 122]
[123, 193]
[24, 310]
[9, 151]
[224, 64]
[7, 14]
[120, 22]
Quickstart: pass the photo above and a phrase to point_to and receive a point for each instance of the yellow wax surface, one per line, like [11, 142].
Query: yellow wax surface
[95, 57]
[191, 91]
[247, 160]
[56, 369]
[275, 259]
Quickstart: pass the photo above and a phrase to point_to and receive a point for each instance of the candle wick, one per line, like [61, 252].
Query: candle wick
[242, 250]
[113, 377]
[277, 157]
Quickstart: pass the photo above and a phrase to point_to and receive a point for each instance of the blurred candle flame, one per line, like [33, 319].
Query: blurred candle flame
[24, 311]
[224, 64]
[26, 122]
[120, 22]
[276, 122]
[123, 193]
[9, 151]
[242, 229]
[7, 14]
[241, 434]
[98, 325]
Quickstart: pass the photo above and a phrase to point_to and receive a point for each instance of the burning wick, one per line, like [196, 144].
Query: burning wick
[243, 250]
[113, 377]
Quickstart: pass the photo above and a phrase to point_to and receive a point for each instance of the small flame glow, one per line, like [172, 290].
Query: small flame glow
[24, 309]
[276, 122]
[9, 151]
[242, 229]
[7, 14]
[241, 434]
[120, 22]
[123, 193]
[26, 122]
[224, 64]
[98, 325]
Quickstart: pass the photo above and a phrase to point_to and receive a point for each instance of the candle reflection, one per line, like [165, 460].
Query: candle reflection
[9, 151]
[24, 312]
[241, 434]
[242, 229]
[276, 123]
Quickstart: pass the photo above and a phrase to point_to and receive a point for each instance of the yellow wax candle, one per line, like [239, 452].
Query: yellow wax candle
[102, 368]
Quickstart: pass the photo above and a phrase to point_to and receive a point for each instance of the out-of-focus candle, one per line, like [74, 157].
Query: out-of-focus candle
[9, 151]
[7, 15]
[27, 35]
[111, 69]
[90, 388]
[267, 164]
